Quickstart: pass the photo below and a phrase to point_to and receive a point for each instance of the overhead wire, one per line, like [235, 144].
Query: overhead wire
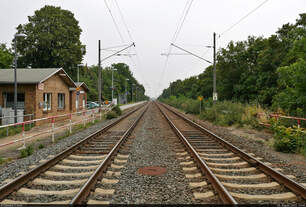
[132, 40]
[114, 21]
[242, 18]
[175, 36]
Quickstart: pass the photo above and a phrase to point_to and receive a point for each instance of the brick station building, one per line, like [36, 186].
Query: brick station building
[42, 92]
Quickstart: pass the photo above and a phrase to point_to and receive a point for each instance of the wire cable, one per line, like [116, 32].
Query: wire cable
[245, 16]
[132, 40]
[175, 36]
[114, 21]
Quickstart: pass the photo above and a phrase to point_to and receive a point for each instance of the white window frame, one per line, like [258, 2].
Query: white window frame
[61, 100]
[47, 101]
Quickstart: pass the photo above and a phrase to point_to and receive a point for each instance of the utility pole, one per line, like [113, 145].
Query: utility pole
[126, 99]
[215, 96]
[99, 74]
[15, 74]
[113, 83]
[136, 93]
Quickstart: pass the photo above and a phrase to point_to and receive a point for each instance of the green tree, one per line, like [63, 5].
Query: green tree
[53, 40]
[6, 57]
[89, 75]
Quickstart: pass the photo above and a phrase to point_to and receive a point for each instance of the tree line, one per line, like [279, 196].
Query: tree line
[268, 71]
[53, 41]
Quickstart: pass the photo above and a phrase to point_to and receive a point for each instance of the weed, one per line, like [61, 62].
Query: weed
[27, 151]
[41, 146]
[117, 110]
[2, 160]
[111, 114]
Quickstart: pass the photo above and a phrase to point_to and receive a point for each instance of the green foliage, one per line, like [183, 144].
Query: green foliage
[224, 113]
[292, 80]
[53, 40]
[258, 70]
[41, 146]
[27, 151]
[117, 110]
[289, 139]
[188, 105]
[2, 160]
[111, 115]
[6, 57]
[89, 75]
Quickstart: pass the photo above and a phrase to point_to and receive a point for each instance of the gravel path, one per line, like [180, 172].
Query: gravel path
[151, 148]
[13, 170]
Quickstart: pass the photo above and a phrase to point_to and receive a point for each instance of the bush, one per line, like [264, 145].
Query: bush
[41, 146]
[289, 139]
[111, 115]
[117, 110]
[2, 160]
[26, 152]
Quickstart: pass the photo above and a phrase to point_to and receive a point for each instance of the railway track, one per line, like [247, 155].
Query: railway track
[90, 165]
[236, 176]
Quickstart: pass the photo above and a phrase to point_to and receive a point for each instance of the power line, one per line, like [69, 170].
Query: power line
[241, 19]
[132, 40]
[175, 36]
[114, 21]
[182, 23]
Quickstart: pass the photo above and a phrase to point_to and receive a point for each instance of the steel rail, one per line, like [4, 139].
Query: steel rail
[225, 196]
[84, 192]
[23, 179]
[278, 176]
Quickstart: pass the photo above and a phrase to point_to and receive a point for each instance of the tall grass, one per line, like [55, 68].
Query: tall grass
[224, 113]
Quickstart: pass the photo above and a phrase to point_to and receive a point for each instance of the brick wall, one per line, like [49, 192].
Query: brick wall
[53, 85]
[29, 91]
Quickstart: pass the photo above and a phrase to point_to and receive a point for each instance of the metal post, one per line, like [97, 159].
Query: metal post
[99, 74]
[214, 72]
[70, 124]
[15, 79]
[112, 85]
[126, 99]
[78, 75]
[132, 92]
[23, 136]
[200, 106]
[52, 129]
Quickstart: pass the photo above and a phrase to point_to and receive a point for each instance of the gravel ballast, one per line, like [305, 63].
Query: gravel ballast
[151, 148]
[13, 170]
[278, 159]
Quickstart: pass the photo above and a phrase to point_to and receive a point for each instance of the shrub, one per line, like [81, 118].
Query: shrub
[2, 160]
[41, 146]
[117, 110]
[26, 152]
[111, 114]
[289, 139]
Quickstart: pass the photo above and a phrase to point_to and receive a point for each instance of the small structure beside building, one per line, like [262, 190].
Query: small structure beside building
[42, 92]
[80, 95]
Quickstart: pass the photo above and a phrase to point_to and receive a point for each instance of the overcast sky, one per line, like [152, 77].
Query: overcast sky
[152, 24]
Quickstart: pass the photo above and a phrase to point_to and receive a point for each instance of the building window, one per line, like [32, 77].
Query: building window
[9, 100]
[47, 101]
[61, 100]
[84, 101]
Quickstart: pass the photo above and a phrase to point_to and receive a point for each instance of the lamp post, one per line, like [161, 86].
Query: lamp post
[113, 83]
[132, 91]
[78, 75]
[15, 74]
[126, 80]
